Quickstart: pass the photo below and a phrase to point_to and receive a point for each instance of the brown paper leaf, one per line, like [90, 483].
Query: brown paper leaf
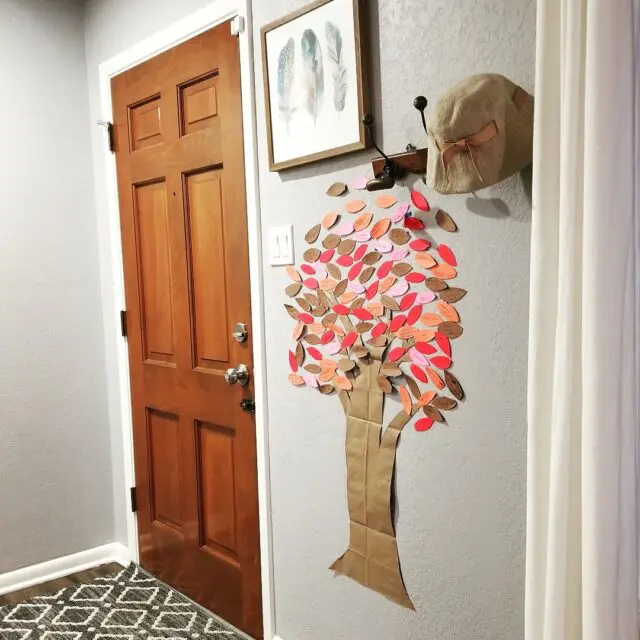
[311, 255]
[312, 368]
[362, 221]
[313, 233]
[319, 311]
[346, 364]
[291, 311]
[389, 303]
[452, 295]
[366, 274]
[450, 329]
[324, 299]
[380, 228]
[300, 354]
[399, 236]
[305, 305]
[299, 330]
[453, 385]
[346, 246]
[379, 341]
[363, 327]
[331, 241]
[312, 338]
[359, 351]
[390, 369]
[334, 271]
[435, 284]
[293, 289]
[312, 298]
[329, 319]
[354, 206]
[371, 258]
[384, 384]
[317, 328]
[413, 387]
[341, 287]
[445, 221]
[433, 413]
[337, 189]
[444, 404]
[401, 269]
[357, 304]
[326, 389]
[330, 219]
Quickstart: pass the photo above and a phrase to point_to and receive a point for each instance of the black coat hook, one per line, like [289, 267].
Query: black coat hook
[420, 103]
[390, 171]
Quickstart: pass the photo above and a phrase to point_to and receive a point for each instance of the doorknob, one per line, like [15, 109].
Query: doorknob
[239, 375]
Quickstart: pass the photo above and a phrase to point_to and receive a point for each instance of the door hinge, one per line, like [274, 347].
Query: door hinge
[123, 323]
[237, 26]
[111, 134]
[134, 499]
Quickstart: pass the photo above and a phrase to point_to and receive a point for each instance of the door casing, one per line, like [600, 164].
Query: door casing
[209, 16]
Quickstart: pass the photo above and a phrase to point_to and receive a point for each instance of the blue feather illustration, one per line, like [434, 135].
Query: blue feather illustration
[339, 71]
[313, 73]
[285, 81]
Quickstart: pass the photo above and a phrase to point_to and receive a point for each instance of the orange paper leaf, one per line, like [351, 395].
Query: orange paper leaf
[448, 312]
[354, 206]
[425, 260]
[426, 398]
[405, 398]
[386, 283]
[444, 272]
[342, 382]
[430, 319]
[424, 335]
[385, 201]
[296, 379]
[317, 328]
[362, 221]
[375, 308]
[298, 330]
[406, 332]
[436, 380]
[293, 274]
[347, 297]
[330, 219]
[380, 228]
[328, 284]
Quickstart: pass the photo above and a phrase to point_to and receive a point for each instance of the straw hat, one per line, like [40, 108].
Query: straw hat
[480, 132]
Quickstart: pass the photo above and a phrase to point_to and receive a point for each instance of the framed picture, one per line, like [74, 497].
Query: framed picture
[316, 88]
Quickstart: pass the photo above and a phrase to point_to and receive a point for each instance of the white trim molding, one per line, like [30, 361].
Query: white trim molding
[60, 567]
[215, 13]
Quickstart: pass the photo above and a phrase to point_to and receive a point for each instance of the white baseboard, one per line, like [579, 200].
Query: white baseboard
[60, 567]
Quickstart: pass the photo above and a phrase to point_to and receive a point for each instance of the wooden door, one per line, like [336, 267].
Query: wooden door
[179, 156]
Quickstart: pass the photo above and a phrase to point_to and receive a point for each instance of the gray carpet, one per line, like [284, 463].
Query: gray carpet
[128, 605]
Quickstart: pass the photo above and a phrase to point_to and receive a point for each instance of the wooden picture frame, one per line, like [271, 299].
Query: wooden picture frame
[310, 125]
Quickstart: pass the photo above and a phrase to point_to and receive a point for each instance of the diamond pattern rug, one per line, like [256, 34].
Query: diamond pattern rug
[129, 605]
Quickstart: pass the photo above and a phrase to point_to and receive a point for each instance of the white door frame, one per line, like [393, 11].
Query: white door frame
[209, 16]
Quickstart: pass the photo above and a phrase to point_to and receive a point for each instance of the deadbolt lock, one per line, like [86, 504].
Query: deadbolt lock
[240, 333]
[239, 375]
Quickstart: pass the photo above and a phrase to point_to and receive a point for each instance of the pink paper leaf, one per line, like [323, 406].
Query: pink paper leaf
[399, 289]
[424, 297]
[383, 246]
[400, 213]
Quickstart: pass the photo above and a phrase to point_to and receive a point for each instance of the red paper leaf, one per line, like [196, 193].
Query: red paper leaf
[327, 337]
[447, 255]
[419, 201]
[384, 269]
[354, 272]
[307, 318]
[326, 256]
[372, 290]
[424, 424]
[345, 261]
[415, 278]
[442, 362]
[426, 348]
[443, 343]
[308, 269]
[418, 373]
[396, 354]
[341, 309]
[379, 329]
[311, 283]
[292, 362]
[408, 300]
[349, 340]
[415, 224]
[419, 244]
[414, 315]
[360, 251]
[397, 322]
[361, 314]
[314, 353]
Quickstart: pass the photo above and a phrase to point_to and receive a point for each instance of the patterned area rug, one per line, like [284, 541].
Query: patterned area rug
[129, 605]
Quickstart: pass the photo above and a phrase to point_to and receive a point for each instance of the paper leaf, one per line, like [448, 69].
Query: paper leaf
[316, 327]
[419, 244]
[306, 318]
[328, 284]
[424, 335]
[415, 277]
[399, 289]
[334, 271]
[430, 319]
[384, 384]
[365, 274]
[425, 297]
[362, 236]
[448, 312]
[426, 397]
[308, 269]
[417, 357]
[364, 327]
[326, 375]
[331, 241]
[383, 246]
[293, 289]
[296, 380]
[425, 348]
[346, 364]
[355, 270]
[419, 201]
[418, 373]
[431, 412]
[327, 337]
[359, 183]
[435, 284]
[371, 258]
[372, 290]
[444, 272]
[293, 362]
[312, 235]
[414, 315]
[447, 255]
[342, 382]
[425, 260]
[408, 300]
[330, 219]
[355, 206]
[424, 424]
[401, 269]
[312, 339]
[451, 330]
[321, 272]
[344, 228]
[356, 286]
[349, 340]
[386, 284]
[399, 236]
[346, 247]
[405, 399]
[298, 331]
[406, 332]
[327, 255]
[341, 287]
[337, 189]
[397, 322]
[452, 295]
[359, 351]
[360, 251]
[362, 221]
[362, 314]
[389, 303]
[326, 389]
[345, 261]
[445, 221]
[311, 255]
[453, 385]
[333, 348]
[293, 274]
[435, 379]
[311, 283]
[444, 404]
[378, 330]
[341, 310]
[396, 353]
[316, 354]
[384, 269]
[380, 228]
[390, 370]
[310, 381]
[300, 354]
[444, 344]
[441, 362]
[400, 213]
[413, 223]
[376, 308]
[347, 297]
[385, 201]
[399, 254]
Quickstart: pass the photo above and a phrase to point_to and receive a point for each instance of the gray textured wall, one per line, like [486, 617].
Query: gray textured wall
[55, 467]
[461, 489]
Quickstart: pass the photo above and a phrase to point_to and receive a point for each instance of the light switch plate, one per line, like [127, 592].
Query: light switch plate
[281, 245]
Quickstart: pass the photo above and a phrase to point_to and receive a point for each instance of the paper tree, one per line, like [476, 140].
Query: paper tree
[375, 317]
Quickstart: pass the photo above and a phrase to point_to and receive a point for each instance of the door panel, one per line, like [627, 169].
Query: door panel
[179, 156]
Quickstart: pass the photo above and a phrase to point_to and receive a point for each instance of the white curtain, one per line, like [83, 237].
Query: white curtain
[582, 507]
